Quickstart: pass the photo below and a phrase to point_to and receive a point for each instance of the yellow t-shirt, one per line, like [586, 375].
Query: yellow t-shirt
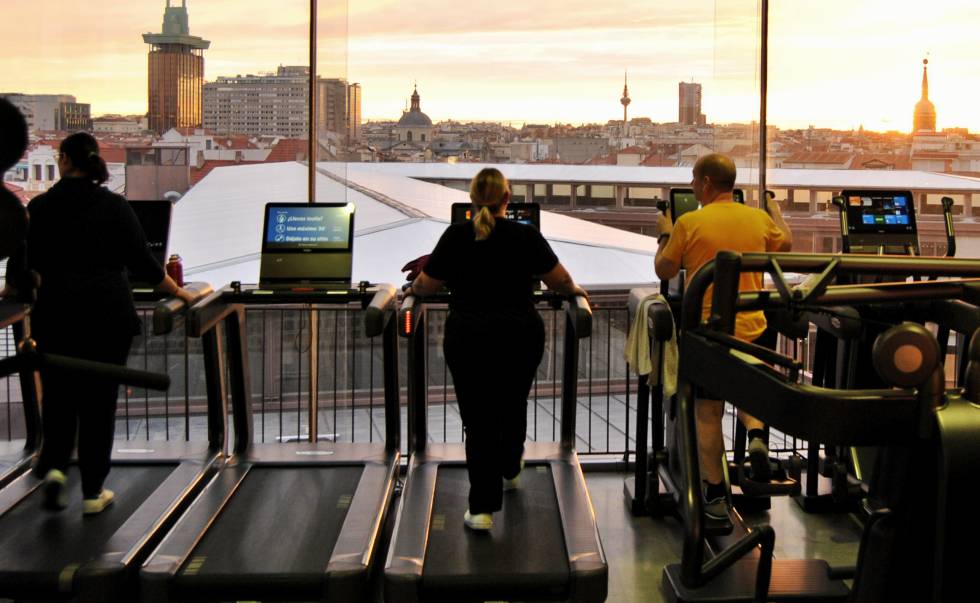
[725, 225]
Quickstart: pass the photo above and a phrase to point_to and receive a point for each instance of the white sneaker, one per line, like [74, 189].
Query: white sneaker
[481, 521]
[55, 490]
[514, 482]
[91, 506]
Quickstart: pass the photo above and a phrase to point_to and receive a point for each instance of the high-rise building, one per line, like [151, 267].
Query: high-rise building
[331, 110]
[689, 104]
[45, 112]
[924, 118]
[271, 104]
[354, 112]
[176, 72]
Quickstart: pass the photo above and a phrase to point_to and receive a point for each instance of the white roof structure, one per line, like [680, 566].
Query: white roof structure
[217, 225]
[681, 176]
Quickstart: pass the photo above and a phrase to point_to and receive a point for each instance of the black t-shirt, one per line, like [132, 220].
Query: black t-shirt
[495, 275]
[81, 240]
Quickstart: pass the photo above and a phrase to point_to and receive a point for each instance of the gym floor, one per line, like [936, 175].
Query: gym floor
[638, 548]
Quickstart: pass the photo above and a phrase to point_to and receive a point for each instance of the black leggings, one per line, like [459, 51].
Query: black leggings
[493, 363]
[82, 404]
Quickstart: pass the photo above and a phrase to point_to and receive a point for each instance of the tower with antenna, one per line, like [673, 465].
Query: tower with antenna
[625, 101]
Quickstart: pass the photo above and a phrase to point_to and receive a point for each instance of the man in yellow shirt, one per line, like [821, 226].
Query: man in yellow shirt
[698, 236]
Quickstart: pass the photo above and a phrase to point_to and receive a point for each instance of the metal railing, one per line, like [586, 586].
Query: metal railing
[351, 388]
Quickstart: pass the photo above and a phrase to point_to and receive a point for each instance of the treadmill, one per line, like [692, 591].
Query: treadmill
[544, 545]
[65, 556]
[16, 455]
[285, 521]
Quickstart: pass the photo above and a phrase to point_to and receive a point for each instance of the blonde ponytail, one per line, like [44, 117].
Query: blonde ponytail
[483, 222]
[488, 191]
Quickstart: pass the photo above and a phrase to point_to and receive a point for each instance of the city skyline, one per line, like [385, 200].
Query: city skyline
[555, 62]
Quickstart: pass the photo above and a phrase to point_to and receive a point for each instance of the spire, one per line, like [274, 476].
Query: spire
[924, 118]
[925, 79]
[415, 98]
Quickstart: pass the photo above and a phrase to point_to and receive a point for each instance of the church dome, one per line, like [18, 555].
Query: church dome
[414, 118]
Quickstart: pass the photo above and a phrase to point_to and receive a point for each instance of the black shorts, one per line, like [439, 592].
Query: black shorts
[767, 340]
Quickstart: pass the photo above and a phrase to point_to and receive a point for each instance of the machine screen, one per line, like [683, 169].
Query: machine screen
[682, 200]
[885, 212]
[525, 213]
[304, 226]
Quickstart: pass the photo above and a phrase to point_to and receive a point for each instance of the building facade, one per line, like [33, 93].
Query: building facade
[689, 104]
[50, 112]
[259, 105]
[354, 112]
[176, 73]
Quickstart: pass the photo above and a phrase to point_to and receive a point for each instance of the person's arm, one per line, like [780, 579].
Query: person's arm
[170, 287]
[786, 240]
[424, 285]
[559, 280]
[666, 263]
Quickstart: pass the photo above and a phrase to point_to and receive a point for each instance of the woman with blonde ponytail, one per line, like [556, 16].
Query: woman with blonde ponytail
[494, 336]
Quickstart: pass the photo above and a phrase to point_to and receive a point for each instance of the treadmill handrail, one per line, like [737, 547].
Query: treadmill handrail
[379, 310]
[209, 312]
[12, 312]
[29, 357]
[168, 313]
[580, 315]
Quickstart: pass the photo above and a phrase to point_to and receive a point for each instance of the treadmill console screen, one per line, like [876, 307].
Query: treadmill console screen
[525, 213]
[304, 226]
[879, 212]
[154, 217]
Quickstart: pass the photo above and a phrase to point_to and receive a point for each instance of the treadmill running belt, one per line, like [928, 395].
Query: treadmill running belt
[277, 531]
[36, 545]
[523, 556]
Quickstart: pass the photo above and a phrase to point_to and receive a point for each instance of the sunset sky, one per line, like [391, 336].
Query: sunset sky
[834, 63]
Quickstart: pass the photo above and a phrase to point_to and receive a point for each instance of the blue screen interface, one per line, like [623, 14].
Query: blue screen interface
[323, 227]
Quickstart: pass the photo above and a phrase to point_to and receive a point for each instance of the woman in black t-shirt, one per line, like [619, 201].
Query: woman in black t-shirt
[494, 337]
[81, 240]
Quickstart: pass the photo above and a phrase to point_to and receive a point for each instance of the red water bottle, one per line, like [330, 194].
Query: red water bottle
[175, 269]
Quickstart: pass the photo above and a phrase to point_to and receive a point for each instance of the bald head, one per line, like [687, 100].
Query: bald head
[717, 168]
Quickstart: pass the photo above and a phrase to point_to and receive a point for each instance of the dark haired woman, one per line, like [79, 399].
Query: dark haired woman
[494, 336]
[81, 240]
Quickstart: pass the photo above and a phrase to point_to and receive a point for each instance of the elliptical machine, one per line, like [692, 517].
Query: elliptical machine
[657, 482]
[876, 223]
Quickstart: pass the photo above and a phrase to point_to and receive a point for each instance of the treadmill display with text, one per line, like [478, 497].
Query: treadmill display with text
[880, 213]
[525, 213]
[308, 228]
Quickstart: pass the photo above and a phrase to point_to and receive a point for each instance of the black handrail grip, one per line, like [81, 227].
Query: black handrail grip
[120, 374]
[166, 313]
[950, 229]
[580, 313]
[377, 310]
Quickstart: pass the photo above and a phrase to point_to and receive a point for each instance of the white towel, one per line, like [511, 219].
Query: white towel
[638, 353]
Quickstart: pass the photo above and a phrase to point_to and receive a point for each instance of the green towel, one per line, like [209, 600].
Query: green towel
[639, 355]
